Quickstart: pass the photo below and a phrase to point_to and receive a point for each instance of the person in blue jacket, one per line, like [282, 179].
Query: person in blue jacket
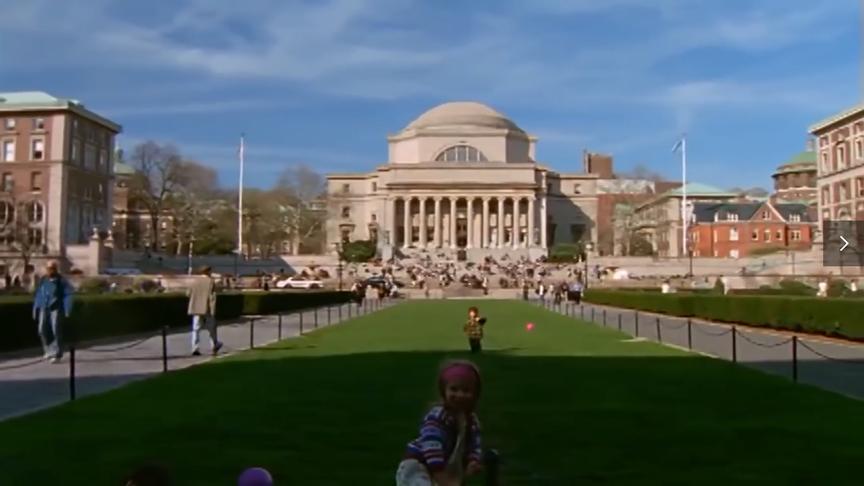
[51, 305]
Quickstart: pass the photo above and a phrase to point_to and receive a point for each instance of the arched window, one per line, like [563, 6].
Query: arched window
[7, 212]
[35, 212]
[461, 153]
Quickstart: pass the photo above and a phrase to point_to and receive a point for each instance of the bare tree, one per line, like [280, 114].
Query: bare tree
[191, 200]
[17, 234]
[158, 173]
[641, 172]
[298, 190]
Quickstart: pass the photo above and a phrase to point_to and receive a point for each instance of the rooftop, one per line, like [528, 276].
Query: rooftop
[462, 114]
[40, 100]
[825, 123]
[697, 189]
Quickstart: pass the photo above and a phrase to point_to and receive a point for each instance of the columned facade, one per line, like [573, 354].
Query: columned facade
[503, 222]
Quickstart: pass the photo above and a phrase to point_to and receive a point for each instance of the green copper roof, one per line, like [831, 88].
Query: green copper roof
[34, 99]
[804, 161]
[123, 169]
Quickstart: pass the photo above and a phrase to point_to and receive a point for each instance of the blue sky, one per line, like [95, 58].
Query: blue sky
[323, 82]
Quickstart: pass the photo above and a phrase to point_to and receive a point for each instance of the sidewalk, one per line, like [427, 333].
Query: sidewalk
[827, 363]
[28, 384]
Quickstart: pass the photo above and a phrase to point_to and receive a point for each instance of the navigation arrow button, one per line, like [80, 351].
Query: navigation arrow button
[845, 244]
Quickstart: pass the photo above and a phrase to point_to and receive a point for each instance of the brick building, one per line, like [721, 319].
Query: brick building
[736, 229]
[840, 165]
[55, 174]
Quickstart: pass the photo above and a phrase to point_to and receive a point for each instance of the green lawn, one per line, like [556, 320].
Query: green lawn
[566, 404]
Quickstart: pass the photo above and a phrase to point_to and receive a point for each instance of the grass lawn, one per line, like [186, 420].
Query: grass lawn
[566, 404]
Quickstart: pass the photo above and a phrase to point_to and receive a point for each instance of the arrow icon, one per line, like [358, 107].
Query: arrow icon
[845, 244]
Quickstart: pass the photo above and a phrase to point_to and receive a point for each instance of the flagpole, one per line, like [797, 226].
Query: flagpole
[240, 199]
[684, 222]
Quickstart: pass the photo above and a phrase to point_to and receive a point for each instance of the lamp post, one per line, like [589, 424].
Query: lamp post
[588, 247]
[338, 247]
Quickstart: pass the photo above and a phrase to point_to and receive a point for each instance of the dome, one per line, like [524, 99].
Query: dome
[803, 162]
[462, 114]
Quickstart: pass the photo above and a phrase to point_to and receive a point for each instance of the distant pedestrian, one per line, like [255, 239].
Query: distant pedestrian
[576, 292]
[202, 308]
[52, 304]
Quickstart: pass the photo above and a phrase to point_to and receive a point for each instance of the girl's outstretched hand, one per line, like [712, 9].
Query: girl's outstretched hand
[473, 468]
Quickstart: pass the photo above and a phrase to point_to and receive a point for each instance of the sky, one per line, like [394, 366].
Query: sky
[323, 82]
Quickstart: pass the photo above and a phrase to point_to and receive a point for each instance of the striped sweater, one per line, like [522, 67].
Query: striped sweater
[437, 440]
[474, 327]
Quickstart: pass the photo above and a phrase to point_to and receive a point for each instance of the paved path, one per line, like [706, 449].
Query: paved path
[827, 363]
[28, 384]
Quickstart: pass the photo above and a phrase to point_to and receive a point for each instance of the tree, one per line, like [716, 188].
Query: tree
[296, 192]
[16, 231]
[158, 173]
[265, 223]
[641, 172]
[640, 246]
[358, 251]
[751, 192]
[191, 200]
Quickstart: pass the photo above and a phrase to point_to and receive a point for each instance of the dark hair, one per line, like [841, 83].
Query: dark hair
[149, 475]
[473, 308]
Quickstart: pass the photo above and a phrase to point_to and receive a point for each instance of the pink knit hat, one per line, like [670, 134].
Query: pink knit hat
[461, 371]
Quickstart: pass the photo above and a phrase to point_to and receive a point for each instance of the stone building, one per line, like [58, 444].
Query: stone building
[840, 165]
[55, 178]
[463, 177]
[795, 180]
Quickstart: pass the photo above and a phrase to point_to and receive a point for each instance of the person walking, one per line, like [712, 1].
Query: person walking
[202, 308]
[52, 303]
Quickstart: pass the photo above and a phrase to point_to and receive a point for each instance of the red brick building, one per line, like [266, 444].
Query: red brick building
[736, 229]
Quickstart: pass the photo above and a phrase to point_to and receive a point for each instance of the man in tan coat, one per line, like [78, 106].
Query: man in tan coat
[202, 308]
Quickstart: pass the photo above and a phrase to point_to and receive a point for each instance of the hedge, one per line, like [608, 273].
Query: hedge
[827, 316]
[100, 316]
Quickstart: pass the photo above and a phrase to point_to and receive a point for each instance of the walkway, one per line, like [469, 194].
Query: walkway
[827, 363]
[28, 384]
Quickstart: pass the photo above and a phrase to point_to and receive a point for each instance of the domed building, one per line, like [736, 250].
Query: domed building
[795, 181]
[462, 176]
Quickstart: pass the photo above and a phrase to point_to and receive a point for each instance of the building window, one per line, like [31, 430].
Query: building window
[733, 234]
[845, 189]
[374, 218]
[9, 151]
[549, 188]
[841, 157]
[7, 212]
[733, 253]
[346, 235]
[795, 235]
[765, 215]
[826, 168]
[35, 212]
[374, 186]
[34, 235]
[859, 149]
[10, 124]
[75, 152]
[755, 235]
[38, 124]
[346, 211]
[779, 236]
[37, 149]
[767, 235]
[103, 157]
[89, 156]
[35, 181]
[7, 183]
[576, 189]
[731, 216]
[795, 218]
[346, 188]
[826, 195]
[461, 153]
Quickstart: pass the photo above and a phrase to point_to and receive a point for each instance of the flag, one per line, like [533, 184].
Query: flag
[677, 145]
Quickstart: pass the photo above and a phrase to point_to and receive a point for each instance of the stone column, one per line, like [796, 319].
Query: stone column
[485, 229]
[531, 240]
[436, 234]
[515, 235]
[543, 222]
[406, 231]
[500, 226]
[469, 213]
[422, 242]
[390, 214]
[453, 202]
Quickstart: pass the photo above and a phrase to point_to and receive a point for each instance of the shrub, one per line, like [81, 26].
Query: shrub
[565, 253]
[358, 251]
[99, 316]
[837, 317]
[146, 286]
[94, 285]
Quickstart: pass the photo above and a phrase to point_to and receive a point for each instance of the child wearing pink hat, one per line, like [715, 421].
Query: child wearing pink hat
[448, 448]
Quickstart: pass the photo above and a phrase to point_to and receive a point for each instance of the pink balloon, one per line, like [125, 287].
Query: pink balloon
[529, 326]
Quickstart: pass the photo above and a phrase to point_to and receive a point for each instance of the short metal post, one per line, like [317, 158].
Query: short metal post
[316, 317]
[734, 344]
[252, 333]
[279, 335]
[637, 323]
[659, 336]
[619, 321]
[164, 349]
[689, 333]
[72, 373]
[795, 359]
